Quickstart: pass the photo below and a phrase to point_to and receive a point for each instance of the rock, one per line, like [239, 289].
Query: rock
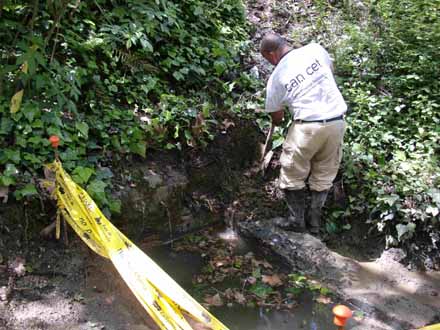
[149, 195]
[392, 255]
[384, 290]
[255, 72]
[3, 293]
[95, 326]
[153, 179]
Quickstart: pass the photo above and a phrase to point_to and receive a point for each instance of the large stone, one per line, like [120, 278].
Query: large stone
[151, 195]
[153, 179]
[384, 289]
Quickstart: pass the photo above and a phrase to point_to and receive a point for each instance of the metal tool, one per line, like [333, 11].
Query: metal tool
[266, 155]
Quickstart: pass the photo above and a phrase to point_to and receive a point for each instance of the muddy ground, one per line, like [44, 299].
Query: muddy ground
[49, 284]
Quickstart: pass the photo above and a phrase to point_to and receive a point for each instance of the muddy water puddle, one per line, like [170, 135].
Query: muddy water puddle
[183, 267]
[306, 316]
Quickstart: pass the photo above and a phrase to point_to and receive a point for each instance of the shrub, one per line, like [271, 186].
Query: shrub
[390, 70]
[110, 78]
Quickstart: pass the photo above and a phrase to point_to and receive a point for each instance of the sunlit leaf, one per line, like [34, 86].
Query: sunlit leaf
[261, 290]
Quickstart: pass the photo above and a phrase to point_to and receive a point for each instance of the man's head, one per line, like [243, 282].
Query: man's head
[273, 47]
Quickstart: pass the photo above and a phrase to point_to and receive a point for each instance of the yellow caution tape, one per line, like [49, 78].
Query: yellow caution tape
[58, 226]
[18, 96]
[431, 327]
[164, 300]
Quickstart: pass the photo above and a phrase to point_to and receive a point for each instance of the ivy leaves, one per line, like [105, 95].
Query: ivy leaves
[393, 135]
[8, 176]
[81, 175]
[96, 75]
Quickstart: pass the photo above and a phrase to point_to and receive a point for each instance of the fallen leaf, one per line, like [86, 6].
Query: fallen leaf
[239, 298]
[323, 300]
[226, 124]
[290, 305]
[272, 280]
[17, 266]
[219, 264]
[4, 191]
[263, 263]
[251, 280]
[229, 293]
[215, 300]
[261, 290]
[109, 300]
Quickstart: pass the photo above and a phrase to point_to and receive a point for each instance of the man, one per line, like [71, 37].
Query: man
[303, 82]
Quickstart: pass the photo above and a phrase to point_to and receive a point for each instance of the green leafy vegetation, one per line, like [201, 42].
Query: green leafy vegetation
[299, 283]
[389, 69]
[387, 61]
[111, 79]
[117, 79]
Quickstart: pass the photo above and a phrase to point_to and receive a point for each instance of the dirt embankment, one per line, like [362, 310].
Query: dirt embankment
[49, 285]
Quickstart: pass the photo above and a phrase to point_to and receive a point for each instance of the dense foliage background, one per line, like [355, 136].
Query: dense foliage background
[390, 66]
[114, 78]
[110, 78]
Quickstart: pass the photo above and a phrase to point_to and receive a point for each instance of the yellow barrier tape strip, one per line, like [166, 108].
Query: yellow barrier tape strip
[163, 299]
[431, 327]
[58, 225]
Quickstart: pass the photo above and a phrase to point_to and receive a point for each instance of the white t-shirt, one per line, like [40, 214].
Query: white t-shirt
[303, 81]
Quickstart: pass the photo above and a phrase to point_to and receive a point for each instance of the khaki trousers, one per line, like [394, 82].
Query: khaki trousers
[313, 149]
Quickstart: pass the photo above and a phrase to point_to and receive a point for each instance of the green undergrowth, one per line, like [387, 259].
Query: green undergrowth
[112, 79]
[120, 78]
[387, 66]
[389, 72]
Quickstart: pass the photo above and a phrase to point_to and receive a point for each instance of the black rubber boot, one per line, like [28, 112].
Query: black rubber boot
[296, 204]
[317, 202]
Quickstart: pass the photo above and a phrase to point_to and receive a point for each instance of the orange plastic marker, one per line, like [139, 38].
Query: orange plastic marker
[54, 141]
[342, 314]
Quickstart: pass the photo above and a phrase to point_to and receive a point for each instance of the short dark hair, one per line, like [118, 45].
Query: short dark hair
[271, 42]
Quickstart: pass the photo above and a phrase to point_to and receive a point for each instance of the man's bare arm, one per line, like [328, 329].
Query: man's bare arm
[277, 117]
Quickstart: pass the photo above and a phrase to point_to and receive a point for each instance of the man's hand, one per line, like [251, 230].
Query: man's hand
[277, 117]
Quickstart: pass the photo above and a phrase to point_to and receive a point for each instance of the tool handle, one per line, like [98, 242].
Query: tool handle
[268, 141]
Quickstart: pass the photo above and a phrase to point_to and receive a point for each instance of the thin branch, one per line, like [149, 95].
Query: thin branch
[34, 14]
[54, 45]
[191, 231]
[58, 18]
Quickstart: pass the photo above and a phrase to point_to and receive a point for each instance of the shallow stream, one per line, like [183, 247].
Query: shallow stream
[308, 314]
